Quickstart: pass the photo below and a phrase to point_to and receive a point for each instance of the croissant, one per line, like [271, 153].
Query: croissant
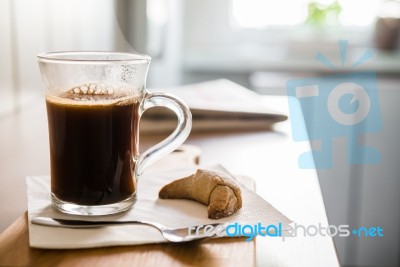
[221, 194]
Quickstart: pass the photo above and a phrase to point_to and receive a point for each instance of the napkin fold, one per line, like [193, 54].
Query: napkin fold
[148, 207]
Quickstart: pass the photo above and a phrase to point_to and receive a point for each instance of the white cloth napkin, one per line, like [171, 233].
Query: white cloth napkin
[171, 213]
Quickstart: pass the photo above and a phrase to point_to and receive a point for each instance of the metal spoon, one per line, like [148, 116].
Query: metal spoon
[170, 234]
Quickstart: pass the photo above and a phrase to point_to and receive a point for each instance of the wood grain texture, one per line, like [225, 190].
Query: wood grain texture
[15, 251]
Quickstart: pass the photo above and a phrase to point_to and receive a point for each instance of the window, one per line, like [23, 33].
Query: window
[264, 13]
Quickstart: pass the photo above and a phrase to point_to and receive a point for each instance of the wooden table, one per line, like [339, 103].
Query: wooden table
[268, 157]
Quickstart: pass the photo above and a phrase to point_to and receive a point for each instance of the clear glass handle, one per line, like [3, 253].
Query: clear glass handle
[173, 141]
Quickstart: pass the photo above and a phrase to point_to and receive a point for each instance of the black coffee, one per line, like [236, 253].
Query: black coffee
[93, 140]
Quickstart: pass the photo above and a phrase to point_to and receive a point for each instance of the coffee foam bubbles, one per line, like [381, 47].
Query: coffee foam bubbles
[93, 94]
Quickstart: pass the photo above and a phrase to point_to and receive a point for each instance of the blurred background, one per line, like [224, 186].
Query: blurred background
[259, 44]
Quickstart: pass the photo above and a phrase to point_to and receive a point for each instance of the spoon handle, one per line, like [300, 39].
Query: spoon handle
[47, 221]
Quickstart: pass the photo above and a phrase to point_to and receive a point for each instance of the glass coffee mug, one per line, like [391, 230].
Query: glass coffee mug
[94, 104]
